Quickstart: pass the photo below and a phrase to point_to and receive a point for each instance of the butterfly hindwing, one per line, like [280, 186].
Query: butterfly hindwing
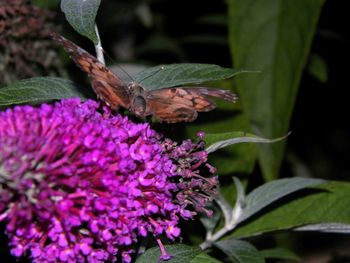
[172, 104]
[169, 112]
[107, 86]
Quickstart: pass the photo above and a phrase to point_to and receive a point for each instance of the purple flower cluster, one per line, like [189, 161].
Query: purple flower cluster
[77, 185]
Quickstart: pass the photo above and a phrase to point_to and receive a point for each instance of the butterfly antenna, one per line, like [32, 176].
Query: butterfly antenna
[109, 57]
[161, 68]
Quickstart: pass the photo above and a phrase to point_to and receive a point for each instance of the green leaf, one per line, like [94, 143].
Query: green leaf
[39, 89]
[273, 37]
[204, 258]
[172, 75]
[180, 253]
[326, 228]
[272, 191]
[225, 206]
[280, 253]
[328, 203]
[317, 68]
[218, 141]
[81, 15]
[240, 251]
[240, 197]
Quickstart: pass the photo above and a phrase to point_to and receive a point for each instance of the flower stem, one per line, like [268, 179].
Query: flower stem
[98, 47]
[231, 220]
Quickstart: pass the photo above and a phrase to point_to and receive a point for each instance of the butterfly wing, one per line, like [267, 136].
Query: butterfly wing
[182, 104]
[107, 86]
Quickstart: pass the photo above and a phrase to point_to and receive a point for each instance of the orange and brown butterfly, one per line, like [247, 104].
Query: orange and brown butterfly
[176, 104]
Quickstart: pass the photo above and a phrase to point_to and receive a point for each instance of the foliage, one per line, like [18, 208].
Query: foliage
[270, 42]
[280, 53]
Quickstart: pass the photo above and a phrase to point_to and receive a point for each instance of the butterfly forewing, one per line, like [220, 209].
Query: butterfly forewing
[107, 86]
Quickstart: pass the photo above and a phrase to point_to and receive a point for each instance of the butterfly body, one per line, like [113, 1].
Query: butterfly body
[171, 105]
[138, 104]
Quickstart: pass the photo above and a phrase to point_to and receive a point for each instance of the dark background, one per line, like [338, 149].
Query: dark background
[320, 143]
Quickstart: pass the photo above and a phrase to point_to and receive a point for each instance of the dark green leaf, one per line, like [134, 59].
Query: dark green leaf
[240, 251]
[317, 68]
[326, 228]
[180, 253]
[240, 196]
[204, 258]
[172, 75]
[328, 203]
[225, 207]
[273, 37]
[218, 141]
[81, 15]
[36, 90]
[272, 191]
[280, 253]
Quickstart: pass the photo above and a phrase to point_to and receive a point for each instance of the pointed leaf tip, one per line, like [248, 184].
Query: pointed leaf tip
[81, 15]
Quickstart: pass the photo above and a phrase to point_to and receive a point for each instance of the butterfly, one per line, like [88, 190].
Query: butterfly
[176, 104]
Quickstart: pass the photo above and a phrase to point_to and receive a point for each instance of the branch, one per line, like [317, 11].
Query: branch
[98, 48]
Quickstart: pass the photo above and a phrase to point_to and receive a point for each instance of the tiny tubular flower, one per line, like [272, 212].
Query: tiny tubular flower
[80, 185]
